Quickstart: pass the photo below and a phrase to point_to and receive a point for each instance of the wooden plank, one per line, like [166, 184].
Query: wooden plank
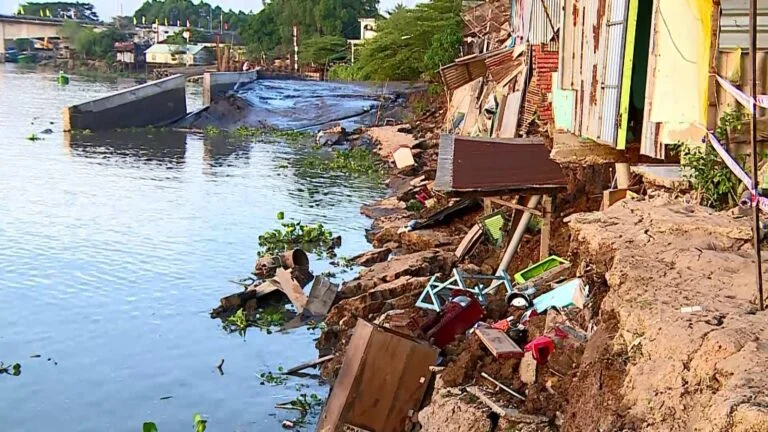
[508, 127]
[498, 343]
[515, 206]
[546, 227]
[307, 365]
[611, 197]
[508, 413]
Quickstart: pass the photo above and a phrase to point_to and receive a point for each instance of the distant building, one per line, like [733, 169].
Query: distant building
[130, 53]
[186, 55]
[367, 28]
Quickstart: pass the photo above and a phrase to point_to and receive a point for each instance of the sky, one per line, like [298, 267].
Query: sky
[110, 8]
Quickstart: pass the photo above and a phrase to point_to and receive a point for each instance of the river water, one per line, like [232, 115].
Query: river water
[113, 250]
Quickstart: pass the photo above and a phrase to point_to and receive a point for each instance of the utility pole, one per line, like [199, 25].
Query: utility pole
[753, 139]
[295, 48]
[210, 19]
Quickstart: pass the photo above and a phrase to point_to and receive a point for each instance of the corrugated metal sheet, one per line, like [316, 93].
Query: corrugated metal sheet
[539, 28]
[734, 24]
[616, 26]
[484, 165]
[503, 62]
[463, 71]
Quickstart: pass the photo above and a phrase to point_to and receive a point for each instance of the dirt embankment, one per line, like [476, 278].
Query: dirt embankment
[698, 371]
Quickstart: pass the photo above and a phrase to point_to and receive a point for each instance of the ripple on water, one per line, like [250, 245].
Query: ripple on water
[114, 249]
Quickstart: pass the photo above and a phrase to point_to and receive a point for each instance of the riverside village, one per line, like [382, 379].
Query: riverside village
[384, 215]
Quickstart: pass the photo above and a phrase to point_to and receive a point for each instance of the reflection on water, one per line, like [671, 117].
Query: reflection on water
[115, 247]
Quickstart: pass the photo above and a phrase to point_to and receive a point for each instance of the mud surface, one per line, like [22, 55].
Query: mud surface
[298, 105]
[684, 371]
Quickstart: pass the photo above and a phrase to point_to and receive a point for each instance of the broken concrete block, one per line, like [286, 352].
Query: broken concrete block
[528, 369]
[403, 157]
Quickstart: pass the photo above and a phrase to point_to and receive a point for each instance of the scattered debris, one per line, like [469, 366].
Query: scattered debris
[498, 343]
[456, 316]
[540, 348]
[503, 387]
[571, 293]
[691, 309]
[527, 369]
[371, 257]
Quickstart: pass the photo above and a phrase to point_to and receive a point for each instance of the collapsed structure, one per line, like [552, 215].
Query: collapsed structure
[522, 278]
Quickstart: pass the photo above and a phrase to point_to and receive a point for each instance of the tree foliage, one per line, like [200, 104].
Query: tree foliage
[201, 15]
[89, 43]
[412, 42]
[321, 50]
[271, 30]
[70, 10]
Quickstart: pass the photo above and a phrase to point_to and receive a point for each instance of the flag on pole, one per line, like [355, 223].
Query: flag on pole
[48, 12]
[41, 12]
[144, 20]
[134, 20]
[166, 21]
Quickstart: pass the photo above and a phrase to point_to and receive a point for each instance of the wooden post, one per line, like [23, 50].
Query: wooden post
[487, 206]
[546, 226]
[753, 139]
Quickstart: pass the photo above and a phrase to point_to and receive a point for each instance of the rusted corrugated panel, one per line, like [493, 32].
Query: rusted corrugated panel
[568, 45]
[495, 165]
[502, 63]
[463, 71]
[734, 24]
[616, 29]
[540, 30]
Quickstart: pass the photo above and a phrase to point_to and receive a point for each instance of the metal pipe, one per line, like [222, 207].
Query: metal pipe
[533, 201]
[753, 139]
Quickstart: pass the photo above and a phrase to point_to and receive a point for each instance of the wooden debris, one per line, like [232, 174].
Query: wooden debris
[500, 345]
[403, 157]
[307, 365]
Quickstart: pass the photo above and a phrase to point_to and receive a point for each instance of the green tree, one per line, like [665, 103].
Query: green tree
[320, 50]
[412, 43]
[72, 10]
[271, 30]
[92, 44]
[200, 15]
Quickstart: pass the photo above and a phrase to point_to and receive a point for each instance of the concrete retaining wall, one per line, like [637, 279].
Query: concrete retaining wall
[149, 104]
[218, 83]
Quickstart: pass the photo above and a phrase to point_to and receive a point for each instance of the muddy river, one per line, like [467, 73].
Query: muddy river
[113, 250]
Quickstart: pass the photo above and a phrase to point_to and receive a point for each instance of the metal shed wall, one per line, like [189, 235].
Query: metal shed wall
[734, 24]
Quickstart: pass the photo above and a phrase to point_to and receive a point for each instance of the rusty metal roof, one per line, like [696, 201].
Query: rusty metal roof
[488, 166]
[464, 70]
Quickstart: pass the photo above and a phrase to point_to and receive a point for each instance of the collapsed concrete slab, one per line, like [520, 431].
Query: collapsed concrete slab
[151, 104]
[219, 83]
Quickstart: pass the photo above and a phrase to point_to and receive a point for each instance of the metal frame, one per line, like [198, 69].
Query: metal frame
[433, 298]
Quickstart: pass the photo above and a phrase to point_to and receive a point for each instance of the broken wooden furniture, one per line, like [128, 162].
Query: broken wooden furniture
[436, 293]
[493, 168]
[381, 383]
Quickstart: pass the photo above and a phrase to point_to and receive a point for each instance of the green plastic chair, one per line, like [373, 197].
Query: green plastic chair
[493, 226]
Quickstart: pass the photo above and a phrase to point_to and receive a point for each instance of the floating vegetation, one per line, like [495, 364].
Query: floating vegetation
[12, 369]
[33, 137]
[211, 130]
[264, 319]
[287, 135]
[272, 379]
[305, 404]
[311, 238]
[358, 161]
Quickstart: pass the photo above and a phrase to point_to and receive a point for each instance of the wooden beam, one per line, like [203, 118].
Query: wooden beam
[546, 226]
[515, 206]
